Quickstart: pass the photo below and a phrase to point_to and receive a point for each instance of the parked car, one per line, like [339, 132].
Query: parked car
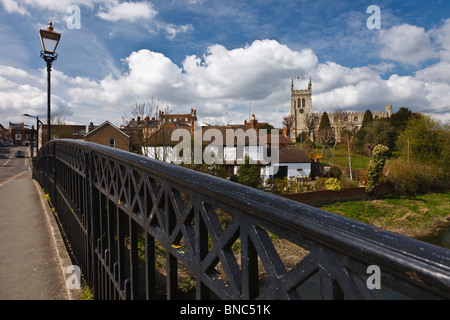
[20, 154]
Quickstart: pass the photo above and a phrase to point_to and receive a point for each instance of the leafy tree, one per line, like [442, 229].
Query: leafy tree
[326, 132]
[324, 121]
[375, 168]
[368, 118]
[401, 117]
[424, 140]
[249, 174]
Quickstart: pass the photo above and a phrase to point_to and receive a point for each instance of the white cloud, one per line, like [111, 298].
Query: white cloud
[406, 43]
[246, 73]
[13, 6]
[172, 30]
[226, 81]
[442, 40]
[128, 11]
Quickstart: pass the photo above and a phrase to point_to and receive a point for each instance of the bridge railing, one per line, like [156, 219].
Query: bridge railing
[144, 229]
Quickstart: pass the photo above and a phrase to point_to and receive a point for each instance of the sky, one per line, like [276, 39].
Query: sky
[225, 59]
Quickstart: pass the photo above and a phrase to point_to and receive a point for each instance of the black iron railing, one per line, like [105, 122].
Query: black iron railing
[141, 228]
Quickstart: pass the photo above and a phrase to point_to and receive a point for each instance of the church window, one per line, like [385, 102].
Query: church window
[345, 119]
[303, 102]
[355, 119]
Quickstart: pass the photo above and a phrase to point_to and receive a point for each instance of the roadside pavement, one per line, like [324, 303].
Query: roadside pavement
[33, 258]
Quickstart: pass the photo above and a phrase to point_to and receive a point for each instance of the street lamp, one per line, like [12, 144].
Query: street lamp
[37, 129]
[49, 40]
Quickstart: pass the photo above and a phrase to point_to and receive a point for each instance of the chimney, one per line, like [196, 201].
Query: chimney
[147, 120]
[253, 122]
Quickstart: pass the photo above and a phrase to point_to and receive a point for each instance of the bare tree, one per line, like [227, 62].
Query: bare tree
[143, 118]
[288, 123]
[311, 121]
[347, 137]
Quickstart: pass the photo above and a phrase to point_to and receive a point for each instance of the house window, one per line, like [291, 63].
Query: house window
[112, 143]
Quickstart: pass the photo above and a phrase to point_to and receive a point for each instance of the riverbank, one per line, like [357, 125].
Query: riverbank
[421, 217]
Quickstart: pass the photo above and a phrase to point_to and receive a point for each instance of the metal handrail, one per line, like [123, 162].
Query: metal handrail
[340, 249]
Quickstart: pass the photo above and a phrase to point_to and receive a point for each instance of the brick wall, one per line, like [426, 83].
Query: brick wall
[104, 134]
[321, 197]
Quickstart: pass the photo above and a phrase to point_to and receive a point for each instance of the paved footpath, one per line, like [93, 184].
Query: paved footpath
[32, 254]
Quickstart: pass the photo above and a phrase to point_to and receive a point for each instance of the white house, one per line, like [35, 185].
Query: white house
[275, 154]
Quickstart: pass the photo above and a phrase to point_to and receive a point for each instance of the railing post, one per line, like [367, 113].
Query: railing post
[53, 198]
[93, 224]
[201, 247]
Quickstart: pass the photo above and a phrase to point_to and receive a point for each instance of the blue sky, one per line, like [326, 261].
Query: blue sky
[223, 58]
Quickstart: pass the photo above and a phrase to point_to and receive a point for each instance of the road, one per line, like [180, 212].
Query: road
[30, 264]
[10, 166]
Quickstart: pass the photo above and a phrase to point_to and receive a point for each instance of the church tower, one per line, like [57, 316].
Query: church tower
[301, 105]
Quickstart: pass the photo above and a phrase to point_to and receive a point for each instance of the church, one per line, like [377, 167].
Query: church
[302, 112]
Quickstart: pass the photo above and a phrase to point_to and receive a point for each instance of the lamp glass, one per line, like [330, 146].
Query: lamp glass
[49, 40]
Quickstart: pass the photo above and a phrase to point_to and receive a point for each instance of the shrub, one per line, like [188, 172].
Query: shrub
[375, 168]
[334, 172]
[348, 183]
[415, 178]
[320, 183]
[333, 184]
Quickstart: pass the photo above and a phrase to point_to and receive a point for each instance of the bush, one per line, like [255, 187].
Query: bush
[348, 183]
[334, 172]
[333, 184]
[375, 168]
[415, 178]
[320, 183]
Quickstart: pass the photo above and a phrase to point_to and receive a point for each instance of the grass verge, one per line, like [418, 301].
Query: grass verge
[417, 216]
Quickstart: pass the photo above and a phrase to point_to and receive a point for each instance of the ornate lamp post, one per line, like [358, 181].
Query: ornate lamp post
[49, 40]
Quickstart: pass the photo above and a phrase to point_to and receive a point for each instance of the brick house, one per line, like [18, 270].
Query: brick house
[109, 135]
[19, 135]
[62, 131]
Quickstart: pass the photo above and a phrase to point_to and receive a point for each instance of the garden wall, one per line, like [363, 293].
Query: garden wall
[321, 197]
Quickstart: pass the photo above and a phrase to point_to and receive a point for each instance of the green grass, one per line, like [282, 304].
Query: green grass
[414, 216]
[341, 158]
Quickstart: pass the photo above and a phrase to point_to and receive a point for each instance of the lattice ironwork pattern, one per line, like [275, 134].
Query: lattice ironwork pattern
[145, 229]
